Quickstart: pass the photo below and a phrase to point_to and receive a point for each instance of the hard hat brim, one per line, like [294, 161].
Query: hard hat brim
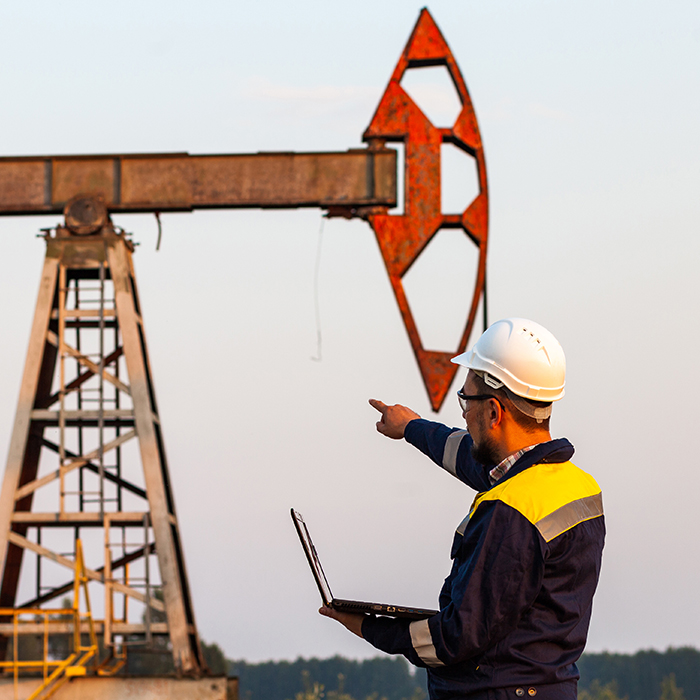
[487, 356]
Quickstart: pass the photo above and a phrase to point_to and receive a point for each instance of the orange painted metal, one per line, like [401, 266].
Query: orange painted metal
[402, 238]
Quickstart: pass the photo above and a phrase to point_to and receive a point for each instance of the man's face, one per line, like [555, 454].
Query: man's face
[476, 417]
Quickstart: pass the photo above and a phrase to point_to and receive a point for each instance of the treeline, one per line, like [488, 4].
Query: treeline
[336, 678]
[647, 675]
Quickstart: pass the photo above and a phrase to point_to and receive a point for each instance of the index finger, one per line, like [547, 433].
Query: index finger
[379, 405]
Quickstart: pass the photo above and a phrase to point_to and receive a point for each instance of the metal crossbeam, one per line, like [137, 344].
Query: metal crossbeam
[181, 182]
[64, 588]
[96, 470]
[73, 464]
[81, 379]
[93, 575]
[88, 363]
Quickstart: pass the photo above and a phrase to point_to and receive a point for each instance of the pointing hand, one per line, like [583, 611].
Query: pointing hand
[394, 418]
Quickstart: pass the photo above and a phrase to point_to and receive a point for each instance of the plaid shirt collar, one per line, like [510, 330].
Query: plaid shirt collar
[501, 469]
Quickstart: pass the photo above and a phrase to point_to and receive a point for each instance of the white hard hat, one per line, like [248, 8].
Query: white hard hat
[521, 354]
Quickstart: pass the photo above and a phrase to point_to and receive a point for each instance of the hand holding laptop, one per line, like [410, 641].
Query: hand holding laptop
[351, 621]
[348, 612]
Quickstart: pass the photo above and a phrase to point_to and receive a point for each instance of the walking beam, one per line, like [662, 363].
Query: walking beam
[182, 182]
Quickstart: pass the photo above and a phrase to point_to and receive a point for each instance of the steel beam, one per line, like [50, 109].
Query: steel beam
[182, 182]
[185, 645]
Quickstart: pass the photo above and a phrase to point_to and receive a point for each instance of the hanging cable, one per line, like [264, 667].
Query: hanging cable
[485, 305]
[317, 308]
[160, 229]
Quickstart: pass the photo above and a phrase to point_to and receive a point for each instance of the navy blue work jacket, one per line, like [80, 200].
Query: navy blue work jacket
[515, 608]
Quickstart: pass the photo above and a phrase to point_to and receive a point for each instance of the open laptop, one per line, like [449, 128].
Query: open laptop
[351, 606]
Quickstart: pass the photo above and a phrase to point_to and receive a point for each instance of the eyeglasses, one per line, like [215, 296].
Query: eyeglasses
[464, 399]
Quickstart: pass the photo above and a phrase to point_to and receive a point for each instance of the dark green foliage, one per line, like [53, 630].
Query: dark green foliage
[381, 677]
[640, 676]
[596, 691]
[215, 659]
[669, 689]
[646, 675]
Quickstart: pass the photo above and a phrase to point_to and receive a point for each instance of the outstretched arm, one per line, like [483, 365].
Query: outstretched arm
[449, 448]
[394, 419]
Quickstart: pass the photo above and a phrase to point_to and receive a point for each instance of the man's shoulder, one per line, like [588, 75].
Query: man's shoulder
[552, 496]
[547, 481]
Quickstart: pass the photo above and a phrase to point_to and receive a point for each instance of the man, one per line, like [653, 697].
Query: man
[515, 608]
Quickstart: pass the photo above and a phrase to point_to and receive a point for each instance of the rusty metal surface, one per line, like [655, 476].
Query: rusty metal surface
[117, 688]
[182, 182]
[402, 238]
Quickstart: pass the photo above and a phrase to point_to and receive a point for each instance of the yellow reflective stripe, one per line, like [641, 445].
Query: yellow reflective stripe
[542, 489]
[422, 642]
[449, 454]
[570, 515]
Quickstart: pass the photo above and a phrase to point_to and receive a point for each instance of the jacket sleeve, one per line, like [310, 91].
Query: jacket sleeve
[496, 576]
[449, 448]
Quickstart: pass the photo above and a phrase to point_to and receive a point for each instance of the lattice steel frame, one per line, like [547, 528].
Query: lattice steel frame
[74, 388]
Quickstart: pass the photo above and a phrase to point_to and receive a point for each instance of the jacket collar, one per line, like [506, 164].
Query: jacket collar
[552, 452]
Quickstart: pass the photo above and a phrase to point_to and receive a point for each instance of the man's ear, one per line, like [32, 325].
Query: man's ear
[496, 413]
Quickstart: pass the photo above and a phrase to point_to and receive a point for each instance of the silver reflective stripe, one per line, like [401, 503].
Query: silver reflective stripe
[449, 456]
[422, 642]
[566, 517]
[463, 525]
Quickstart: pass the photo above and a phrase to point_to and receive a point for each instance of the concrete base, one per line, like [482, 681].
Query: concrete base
[118, 688]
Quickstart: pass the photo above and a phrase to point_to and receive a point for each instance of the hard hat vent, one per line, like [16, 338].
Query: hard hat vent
[529, 360]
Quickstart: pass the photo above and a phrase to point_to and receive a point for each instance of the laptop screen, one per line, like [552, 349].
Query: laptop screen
[312, 556]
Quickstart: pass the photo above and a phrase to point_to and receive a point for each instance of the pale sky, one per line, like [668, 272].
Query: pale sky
[588, 113]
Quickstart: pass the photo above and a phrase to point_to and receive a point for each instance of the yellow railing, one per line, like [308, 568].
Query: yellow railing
[55, 672]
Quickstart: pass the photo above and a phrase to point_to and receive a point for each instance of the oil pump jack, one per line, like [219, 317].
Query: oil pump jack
[87, 395]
